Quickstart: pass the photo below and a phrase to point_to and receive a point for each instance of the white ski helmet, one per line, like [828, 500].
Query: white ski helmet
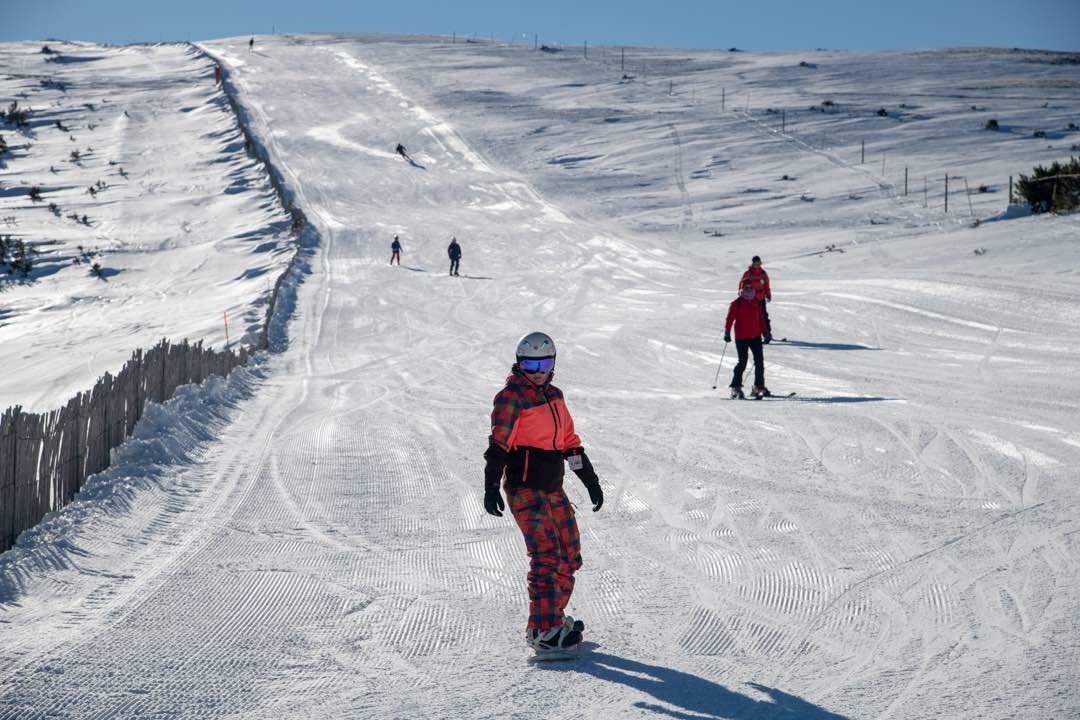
[536, 345]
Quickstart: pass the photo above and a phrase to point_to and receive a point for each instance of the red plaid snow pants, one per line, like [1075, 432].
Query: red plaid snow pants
[551, 535]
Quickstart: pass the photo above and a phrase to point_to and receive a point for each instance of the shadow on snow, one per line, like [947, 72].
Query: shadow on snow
[822, 346]
[689, 697]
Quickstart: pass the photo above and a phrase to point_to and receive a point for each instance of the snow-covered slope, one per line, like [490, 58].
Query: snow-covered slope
[183, 222]
[899, 540]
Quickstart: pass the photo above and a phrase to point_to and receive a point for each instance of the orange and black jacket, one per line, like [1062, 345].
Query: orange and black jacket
[532, 434]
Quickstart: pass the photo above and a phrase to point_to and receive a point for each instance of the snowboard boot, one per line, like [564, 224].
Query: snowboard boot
[760, 391]
[737, 394]
[557, 638]
[576, 625]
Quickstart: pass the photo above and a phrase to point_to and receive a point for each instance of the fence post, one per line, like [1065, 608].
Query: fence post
[1010, 190]
[967, 189]
[622, 59]
[783, 121]
[905, 181]
[946, 192]
[7, 477]
[862, 158]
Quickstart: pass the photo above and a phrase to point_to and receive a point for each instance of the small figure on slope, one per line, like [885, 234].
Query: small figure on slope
[532, 435]
[395, 251]
[756, 275]
[400, 150]
[454, 251]
[747, 315]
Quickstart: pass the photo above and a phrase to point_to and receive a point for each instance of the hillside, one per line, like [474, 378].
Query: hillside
[141, 170]
[897, 540]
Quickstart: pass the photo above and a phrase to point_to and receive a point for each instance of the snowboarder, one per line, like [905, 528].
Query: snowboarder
[532, 435]
[747, 315]
[454, 251]
[756, 275]
[395, 251]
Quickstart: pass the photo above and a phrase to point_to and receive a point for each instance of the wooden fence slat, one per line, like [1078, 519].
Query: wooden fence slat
[7, 477]
[27, 444]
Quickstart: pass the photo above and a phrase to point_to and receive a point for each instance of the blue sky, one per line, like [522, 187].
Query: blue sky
[761, 25]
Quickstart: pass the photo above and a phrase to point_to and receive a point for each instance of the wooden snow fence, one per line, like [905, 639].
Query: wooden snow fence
[45, 458]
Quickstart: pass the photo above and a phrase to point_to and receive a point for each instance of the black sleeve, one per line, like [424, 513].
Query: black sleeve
[493, 471]
[585, 473]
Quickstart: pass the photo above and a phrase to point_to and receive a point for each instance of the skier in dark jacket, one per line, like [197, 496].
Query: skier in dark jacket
[454, 251]
[395, 251]
[756, 275]
[532, 435]
[400, 150]
[746, 314]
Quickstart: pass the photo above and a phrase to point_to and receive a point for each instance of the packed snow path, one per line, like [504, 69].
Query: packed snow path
[897, 541]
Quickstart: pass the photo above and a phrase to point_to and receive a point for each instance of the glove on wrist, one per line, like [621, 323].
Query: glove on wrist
[727, 337]
[496, 462]
[493, 502]
[582, 467]
[493, 472]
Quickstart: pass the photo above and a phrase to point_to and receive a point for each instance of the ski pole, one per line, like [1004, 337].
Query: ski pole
[720, 365]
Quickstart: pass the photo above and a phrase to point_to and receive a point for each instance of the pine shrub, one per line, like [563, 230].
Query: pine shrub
[1052, 189]
[991, 124]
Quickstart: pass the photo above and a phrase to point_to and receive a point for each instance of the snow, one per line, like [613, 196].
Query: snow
[307, 538]
[187, 228]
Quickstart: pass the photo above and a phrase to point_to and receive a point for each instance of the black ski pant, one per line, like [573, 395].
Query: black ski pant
[745, 347]
[454, 266]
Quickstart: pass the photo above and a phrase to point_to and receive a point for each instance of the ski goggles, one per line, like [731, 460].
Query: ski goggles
[536, 365]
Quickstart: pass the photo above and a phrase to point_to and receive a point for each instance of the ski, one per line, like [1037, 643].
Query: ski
[773, 396]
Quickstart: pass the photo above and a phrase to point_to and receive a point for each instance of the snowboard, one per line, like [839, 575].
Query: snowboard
[570, 653]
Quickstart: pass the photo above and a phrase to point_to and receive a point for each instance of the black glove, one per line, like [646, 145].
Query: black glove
[596, 493]
[582, 467]
[768, 338]
[493, 502]
[493, 472]
[727, 337]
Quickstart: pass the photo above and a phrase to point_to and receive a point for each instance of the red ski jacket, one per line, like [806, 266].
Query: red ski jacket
[532, 423]
[748, 318]
[760, 279]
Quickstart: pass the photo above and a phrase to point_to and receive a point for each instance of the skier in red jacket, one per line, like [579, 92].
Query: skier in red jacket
[532, 436]
[747, 314]
[756, 275]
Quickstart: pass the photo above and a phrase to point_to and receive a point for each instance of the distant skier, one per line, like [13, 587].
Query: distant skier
[454, 251]
[217, 74]
[747, 315]
[532, 434]
[756, 275]
[251, 44]
[395, 251]
[400, 150]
